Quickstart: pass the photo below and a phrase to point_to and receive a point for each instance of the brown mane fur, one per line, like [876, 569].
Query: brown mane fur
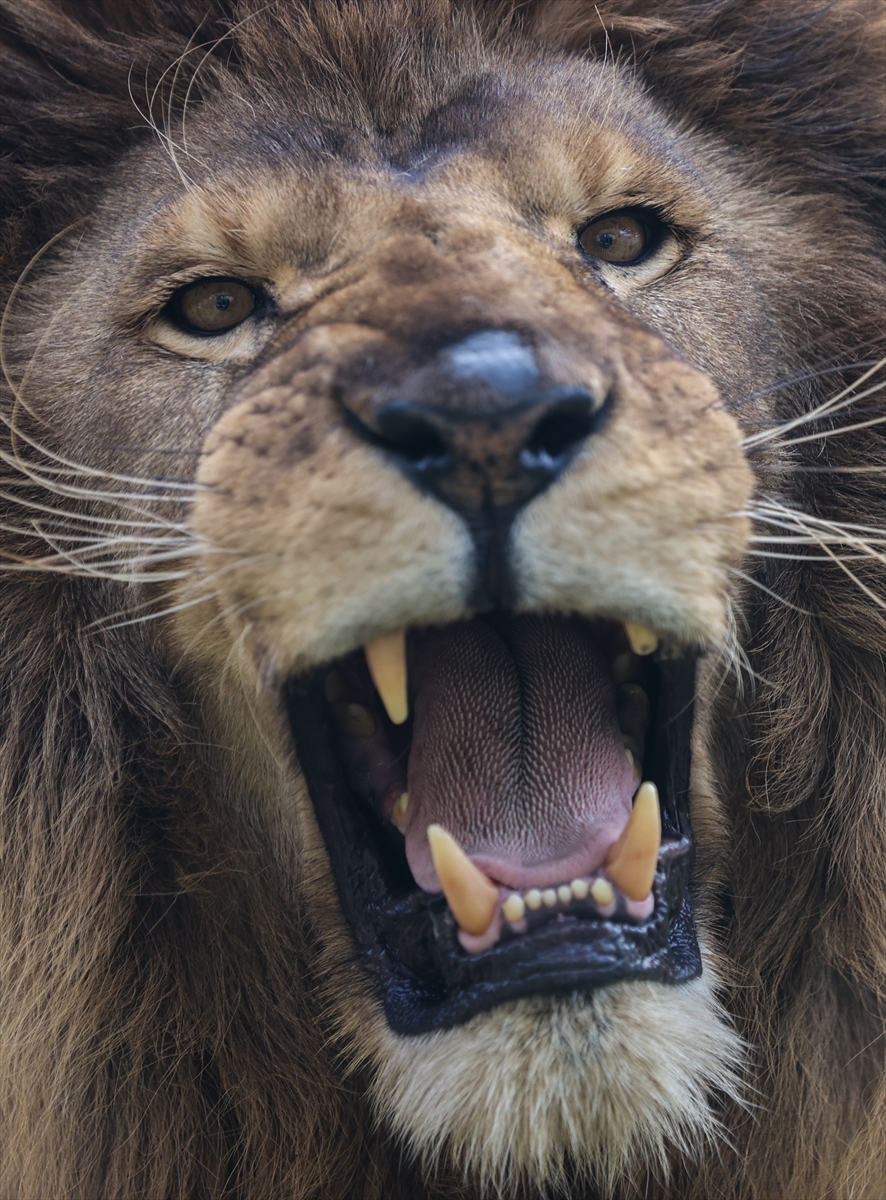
[153, 980]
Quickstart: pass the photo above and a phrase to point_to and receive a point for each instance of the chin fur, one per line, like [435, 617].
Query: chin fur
[551, 1092]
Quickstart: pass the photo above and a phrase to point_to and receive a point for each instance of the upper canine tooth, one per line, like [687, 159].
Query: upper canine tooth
[631, 861]
[386, 659]
[472, 897]
[642, 640]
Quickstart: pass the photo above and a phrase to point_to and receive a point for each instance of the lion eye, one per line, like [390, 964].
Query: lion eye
[213, 305]
[617, 238]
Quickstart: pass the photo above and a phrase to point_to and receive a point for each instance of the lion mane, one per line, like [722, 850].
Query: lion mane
[184, 532]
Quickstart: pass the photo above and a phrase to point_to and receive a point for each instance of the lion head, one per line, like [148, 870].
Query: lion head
[443, 746]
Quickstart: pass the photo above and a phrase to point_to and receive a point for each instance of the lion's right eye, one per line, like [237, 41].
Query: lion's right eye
[212, 305]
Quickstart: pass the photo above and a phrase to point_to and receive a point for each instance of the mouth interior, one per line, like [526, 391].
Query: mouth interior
[527, 739]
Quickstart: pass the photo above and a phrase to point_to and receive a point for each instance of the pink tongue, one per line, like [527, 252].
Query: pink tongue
[516, 749]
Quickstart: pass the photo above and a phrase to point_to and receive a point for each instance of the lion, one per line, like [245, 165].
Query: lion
[442, 611]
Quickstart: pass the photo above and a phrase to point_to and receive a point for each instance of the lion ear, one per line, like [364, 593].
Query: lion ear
[73, 75]
[796, 79]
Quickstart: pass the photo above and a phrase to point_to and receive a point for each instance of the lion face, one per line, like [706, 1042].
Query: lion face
[467, 397]
[459, 419]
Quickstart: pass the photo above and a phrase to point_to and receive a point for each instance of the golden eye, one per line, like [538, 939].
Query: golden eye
[214, 305]
[618, 238]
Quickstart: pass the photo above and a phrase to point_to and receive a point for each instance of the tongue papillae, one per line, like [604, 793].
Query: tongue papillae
[516, 749]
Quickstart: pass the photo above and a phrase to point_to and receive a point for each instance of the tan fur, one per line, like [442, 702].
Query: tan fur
[188, 521]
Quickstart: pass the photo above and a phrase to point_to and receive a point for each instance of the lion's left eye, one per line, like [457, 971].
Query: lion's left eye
[617, 238]
[213, 305]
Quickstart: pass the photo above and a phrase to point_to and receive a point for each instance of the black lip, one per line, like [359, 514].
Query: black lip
[407, 939]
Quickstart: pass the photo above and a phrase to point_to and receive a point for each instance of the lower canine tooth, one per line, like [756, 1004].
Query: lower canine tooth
[386, 659]
[472, 897]
[642, 640]
[632, 860]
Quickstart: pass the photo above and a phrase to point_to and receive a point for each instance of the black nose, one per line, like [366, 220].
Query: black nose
[485, 430]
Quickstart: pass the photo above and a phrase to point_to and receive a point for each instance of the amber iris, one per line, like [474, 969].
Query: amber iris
[214, 305]
[617, 238]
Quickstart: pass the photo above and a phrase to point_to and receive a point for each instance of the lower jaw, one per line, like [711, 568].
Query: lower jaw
[408, 940]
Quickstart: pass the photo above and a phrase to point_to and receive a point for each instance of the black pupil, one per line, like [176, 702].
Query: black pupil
[222, 302]
[605, 240]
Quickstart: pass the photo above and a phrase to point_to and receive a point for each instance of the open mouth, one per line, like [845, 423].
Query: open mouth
[505, 805]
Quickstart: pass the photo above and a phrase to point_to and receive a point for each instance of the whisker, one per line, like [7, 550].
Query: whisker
[33, 472]
[805, 469]
[769, 592]
[821, 434]
[87, 519]
[213, 46]
[816, 557]
[824, 368]
[775, 512]
[102, 622]
[872, 595]
[848, 395]
[153, 616]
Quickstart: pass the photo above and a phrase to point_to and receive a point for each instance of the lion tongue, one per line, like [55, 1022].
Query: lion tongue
[516, 749]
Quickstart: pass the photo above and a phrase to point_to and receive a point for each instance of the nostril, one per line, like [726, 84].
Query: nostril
[411, 436]
[564, 426]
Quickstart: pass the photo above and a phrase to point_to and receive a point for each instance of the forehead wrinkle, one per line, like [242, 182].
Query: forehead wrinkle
[582, 135]
[558, 161]
[253, 222]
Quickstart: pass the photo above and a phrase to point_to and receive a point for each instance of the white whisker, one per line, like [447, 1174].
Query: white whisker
[872, 595]
[849, 395]
[821, 434]
[769, 592]
[151, 519]
[179, 607]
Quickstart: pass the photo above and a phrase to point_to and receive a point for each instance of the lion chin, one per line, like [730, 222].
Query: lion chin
[442, 625]
[563, 1093]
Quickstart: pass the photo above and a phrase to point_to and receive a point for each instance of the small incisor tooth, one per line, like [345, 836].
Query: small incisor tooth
[632, 860]
[472, 897]
[634, 765]
[642, 640]
[386, 659]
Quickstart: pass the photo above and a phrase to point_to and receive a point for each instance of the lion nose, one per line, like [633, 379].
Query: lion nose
[486, 431]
